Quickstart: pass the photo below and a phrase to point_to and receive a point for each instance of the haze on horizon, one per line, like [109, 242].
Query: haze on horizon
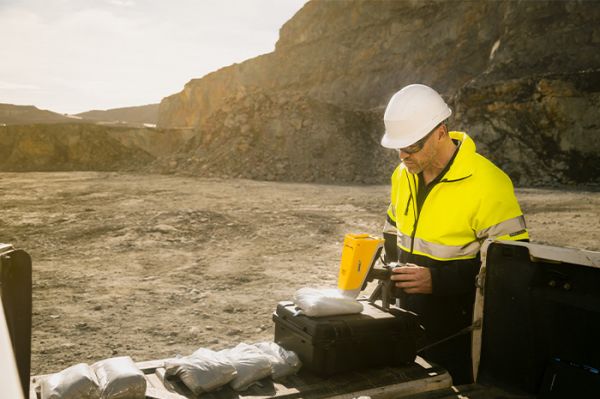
[71, 56]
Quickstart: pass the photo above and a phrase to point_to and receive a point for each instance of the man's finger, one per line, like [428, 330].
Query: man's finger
[405, 270]
[403, 277]
[407, 284]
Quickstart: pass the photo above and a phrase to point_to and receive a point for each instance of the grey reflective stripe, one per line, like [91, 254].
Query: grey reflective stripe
[403, 240]
[439, 250]
[507, 227]
[389, 228]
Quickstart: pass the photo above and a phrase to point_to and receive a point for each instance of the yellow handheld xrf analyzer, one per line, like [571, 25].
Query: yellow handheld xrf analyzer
[359, 254]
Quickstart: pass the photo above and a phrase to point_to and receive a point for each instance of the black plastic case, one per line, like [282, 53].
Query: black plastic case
[329, 345]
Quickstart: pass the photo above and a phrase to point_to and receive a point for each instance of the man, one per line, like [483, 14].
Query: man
[445, 200]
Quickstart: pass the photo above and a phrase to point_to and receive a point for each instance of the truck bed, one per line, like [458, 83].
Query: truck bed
[472, 391]
[388, 382]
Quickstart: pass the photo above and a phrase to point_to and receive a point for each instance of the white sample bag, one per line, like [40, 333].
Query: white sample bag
[119, 378]
[316, 302]
[251, 365]
[203, 371]
[283, 362]
[75, 382]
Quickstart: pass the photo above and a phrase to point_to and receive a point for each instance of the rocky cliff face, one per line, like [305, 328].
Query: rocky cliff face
[533, 110]
[522, 78]
[50, 147]
[290, 138]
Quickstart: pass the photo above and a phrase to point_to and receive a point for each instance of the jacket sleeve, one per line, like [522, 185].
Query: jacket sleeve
[390, 231]
[390, 244]
[499, 214]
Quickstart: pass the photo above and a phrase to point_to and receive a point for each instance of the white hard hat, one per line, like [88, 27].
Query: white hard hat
[412, 113]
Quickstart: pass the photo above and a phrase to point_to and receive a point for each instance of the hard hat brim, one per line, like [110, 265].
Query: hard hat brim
[389, 141]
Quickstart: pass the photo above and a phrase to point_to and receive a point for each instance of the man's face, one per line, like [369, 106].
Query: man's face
[421, 159]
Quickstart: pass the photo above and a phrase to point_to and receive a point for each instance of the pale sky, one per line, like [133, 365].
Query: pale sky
[70, 56]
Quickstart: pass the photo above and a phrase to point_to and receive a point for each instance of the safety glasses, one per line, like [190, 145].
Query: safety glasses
[418, 146]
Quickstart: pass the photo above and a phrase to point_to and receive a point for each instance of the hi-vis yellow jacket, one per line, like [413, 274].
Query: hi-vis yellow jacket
[472, 201]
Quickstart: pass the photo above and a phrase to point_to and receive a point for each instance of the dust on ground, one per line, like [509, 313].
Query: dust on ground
[153, 265]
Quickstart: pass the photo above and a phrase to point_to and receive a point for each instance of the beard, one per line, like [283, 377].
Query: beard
[412, 166]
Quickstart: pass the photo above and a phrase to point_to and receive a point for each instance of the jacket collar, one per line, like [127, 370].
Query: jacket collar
[462, 167]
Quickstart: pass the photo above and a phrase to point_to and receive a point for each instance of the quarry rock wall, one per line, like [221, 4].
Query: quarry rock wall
[522, 78]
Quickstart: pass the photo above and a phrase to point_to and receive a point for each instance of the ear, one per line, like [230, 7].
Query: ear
[444, 129]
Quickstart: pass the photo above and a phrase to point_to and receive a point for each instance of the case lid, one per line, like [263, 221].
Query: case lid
[540, 306]
[372, 322]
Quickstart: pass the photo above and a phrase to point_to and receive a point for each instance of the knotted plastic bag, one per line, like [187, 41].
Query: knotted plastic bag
[283, 362]
[250, 363]
[316, 302]
[203, 371]
[75, 382]
[119, 378]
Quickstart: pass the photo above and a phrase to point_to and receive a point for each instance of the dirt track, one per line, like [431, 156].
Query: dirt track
[151, 266]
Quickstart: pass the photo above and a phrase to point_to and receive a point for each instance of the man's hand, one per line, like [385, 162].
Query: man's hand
[412, 279]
